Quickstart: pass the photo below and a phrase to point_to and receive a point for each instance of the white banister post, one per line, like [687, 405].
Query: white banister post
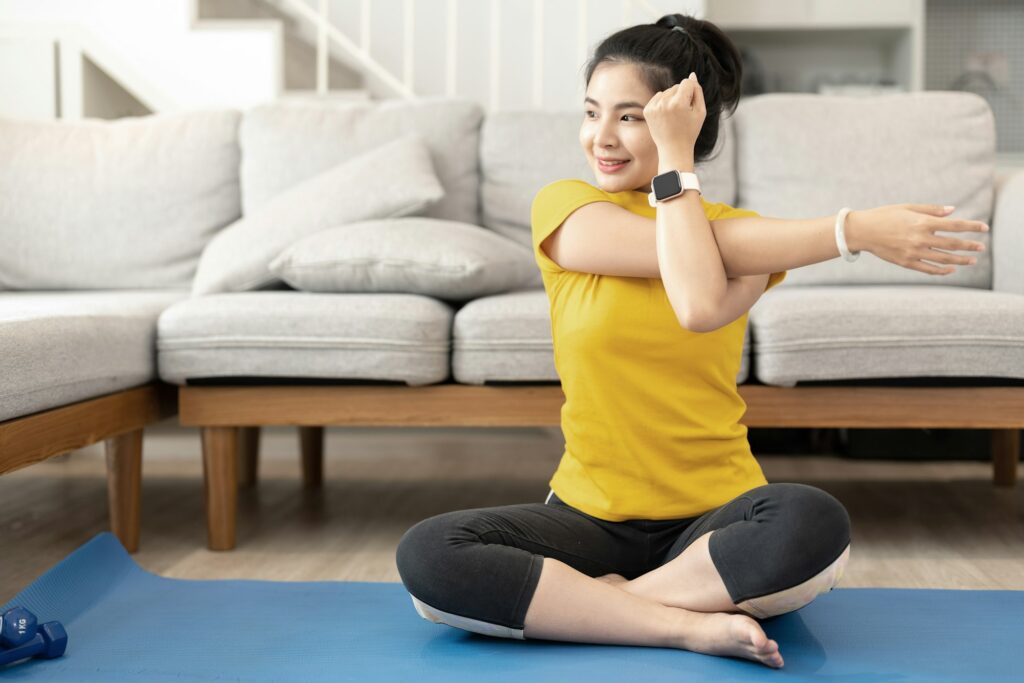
[581, 31]
[408, 46]
[364, 26]
[69, 56]
[495, 52]
[321, 50]
[452, 53]
[538, 54]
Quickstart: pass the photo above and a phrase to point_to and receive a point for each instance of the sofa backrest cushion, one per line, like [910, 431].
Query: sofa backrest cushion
[522, 151]
[121, 204]
[286, 142]
[803, 156]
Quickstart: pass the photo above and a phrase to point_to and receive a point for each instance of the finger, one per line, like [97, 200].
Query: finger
[932, 209]
[953, 244]
[945, 257]
[963, 226]
[685, 93]
[926, 267]
[698, 98]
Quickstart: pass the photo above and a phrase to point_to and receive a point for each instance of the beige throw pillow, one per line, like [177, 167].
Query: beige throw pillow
[395, 179]
[416, 255]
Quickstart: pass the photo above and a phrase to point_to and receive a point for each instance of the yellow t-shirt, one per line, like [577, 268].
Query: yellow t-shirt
[651, 413]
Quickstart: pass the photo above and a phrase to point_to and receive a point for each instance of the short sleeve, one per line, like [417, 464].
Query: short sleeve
[551, 206]
[720, 210]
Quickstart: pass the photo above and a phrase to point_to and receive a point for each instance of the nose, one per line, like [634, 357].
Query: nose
[604, 136]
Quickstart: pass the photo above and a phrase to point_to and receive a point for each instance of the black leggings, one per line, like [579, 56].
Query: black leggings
[776, 547]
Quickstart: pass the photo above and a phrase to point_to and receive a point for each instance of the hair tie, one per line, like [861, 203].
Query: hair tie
[681, 30]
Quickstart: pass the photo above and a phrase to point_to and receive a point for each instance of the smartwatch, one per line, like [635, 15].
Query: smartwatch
[671, 184]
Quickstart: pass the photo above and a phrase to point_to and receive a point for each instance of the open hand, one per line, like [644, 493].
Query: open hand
[675, 117]
[904, 234]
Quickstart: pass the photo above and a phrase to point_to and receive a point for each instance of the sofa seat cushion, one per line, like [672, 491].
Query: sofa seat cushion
[507, 338]
[872, 331]
[295, 335]
[61, 347]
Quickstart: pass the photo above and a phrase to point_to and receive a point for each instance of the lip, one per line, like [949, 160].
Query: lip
[610, 169]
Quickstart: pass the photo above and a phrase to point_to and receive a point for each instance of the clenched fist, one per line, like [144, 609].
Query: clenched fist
[675, 117]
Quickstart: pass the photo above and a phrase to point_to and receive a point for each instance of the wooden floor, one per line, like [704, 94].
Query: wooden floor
[915, 524]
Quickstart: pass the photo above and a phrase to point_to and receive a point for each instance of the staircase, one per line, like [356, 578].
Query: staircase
[112, 58]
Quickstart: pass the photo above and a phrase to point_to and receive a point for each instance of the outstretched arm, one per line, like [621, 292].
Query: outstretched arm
[900, 233]
[608, 239]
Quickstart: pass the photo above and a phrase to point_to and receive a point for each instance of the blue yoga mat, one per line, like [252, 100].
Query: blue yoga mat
[125, 623]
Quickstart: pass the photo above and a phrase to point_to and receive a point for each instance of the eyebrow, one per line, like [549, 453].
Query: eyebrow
[620, 105]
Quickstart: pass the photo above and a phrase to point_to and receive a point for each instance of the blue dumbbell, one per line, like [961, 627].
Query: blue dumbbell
[49, 641]
[17, 626]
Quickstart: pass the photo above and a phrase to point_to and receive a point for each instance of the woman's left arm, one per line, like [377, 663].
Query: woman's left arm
[689, 260]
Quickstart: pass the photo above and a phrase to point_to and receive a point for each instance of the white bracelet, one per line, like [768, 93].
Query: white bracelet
[841, 238]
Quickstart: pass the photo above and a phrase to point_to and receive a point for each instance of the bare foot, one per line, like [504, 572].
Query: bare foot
[613, 579]
[722, 633]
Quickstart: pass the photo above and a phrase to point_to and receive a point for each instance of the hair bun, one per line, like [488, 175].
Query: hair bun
[670, 21]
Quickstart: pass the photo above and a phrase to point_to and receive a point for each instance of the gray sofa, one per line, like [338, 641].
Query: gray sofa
[101, 225]
[866, 344]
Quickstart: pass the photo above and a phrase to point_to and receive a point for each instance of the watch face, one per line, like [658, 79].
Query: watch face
[666, 185]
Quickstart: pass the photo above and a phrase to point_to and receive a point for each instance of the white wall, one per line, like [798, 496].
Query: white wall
[151, 48]
[28, 77]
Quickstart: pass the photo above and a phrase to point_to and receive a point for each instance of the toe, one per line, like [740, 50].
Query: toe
[756, 636]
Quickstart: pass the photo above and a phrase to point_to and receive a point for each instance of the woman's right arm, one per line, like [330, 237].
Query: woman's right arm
[607, 239]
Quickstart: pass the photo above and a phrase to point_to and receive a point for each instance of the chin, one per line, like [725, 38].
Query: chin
[619, 184]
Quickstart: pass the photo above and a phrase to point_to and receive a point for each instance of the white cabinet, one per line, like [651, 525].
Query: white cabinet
[810, 45]
[767, 14]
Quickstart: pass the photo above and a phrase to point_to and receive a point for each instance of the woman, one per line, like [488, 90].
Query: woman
[660, 528]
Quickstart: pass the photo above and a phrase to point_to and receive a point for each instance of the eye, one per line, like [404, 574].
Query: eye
[588, 112]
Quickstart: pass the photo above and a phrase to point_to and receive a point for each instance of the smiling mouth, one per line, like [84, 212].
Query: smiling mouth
[607, 164]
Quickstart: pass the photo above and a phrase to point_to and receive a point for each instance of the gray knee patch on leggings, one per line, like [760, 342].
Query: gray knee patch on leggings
[797, 596]
[465, 623]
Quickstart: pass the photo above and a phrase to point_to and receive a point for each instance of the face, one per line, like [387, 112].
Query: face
[614, 127]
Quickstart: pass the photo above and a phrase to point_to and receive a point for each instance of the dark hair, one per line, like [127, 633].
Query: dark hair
[666, 56]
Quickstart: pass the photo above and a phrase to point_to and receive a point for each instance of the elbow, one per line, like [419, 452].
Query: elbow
[695, 321]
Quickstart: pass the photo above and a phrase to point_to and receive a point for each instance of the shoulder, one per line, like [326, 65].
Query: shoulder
[565, 190]
[558, 199]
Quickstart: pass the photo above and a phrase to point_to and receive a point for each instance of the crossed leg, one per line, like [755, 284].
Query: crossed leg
[767, 552]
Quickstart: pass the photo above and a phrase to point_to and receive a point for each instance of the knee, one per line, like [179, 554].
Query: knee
[424, 557]
[817, 519]
[815, 550]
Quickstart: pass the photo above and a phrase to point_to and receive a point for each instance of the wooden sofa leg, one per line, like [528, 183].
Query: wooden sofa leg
[220, 477]
[248, 456]
[1005, 456]
[312, 446]
[124, 486]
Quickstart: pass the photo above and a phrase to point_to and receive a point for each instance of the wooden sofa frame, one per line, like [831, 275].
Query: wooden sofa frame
[230, 417]
[117, 419]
